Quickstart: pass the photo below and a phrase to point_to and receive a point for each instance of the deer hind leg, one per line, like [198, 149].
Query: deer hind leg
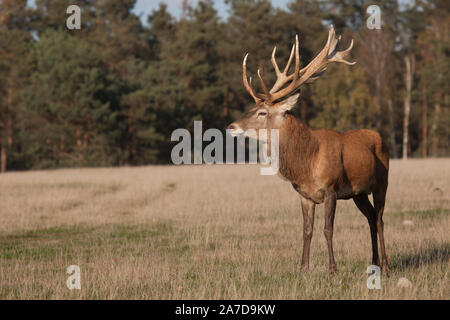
[379, 198]
[330, 209]
[364, 205]
[308, 209]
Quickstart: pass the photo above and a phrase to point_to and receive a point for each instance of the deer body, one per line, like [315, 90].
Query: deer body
[322, 165]
[322, 159]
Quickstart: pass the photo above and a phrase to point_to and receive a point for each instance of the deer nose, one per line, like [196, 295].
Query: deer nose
[232, 126]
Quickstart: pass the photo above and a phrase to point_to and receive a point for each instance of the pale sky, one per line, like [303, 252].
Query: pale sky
[145, 7]
[174, 6]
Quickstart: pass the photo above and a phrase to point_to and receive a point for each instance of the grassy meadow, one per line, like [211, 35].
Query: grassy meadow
[212, 232]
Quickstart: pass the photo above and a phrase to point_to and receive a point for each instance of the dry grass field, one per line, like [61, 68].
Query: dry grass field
[212, 232]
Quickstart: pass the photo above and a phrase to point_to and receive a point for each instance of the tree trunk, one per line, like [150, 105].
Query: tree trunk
[3, 158]
[380, 101]
[424, 123]
[78, 137]
[85, 139]
[407, 103]
[434, 131]
[9, 132]
[62, 145]
[392, 129]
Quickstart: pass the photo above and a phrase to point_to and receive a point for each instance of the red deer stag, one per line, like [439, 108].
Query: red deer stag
[322, 165]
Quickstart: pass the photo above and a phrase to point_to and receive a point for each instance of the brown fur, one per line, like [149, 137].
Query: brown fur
[320, 163]
[324, 166]
[355, 159]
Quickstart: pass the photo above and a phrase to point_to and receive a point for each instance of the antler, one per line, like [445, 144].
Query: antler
[282, 78]
[328, 54]
[306, 75]
[247, 85]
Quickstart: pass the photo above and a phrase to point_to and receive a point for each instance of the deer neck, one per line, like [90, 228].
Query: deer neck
[297, 150]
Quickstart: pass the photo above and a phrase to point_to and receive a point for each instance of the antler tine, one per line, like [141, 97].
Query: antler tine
[274, 62]
[332, 41]
[340, 55]
[328, 54]
[286, 69]
[311, 68]
[291, 87]
[308, 74]
[282, 78]
[247, 85]
[263, 86]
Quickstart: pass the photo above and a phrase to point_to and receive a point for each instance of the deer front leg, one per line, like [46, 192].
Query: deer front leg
[330, 208]
[308, 209]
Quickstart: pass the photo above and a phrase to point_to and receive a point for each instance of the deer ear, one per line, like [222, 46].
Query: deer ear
[288, 104]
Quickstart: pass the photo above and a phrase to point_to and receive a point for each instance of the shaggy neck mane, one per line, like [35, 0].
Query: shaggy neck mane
[298, 148]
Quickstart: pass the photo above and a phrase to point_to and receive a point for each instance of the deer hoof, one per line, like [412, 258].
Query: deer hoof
[386, 270]
[333, 270]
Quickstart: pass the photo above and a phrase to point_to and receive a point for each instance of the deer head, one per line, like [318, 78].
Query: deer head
[271, 105]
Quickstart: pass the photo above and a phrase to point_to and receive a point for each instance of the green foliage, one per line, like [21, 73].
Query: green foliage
[112, 92]
[67, 100]
[344, 101]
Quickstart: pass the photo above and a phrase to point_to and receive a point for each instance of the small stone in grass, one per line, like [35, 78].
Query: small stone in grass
[404, 283]
[408, 222]
[438, 191]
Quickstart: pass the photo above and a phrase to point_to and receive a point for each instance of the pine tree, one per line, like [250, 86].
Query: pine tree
[69, 111]
[15, 41]
[433, 59]
[184, 81]
[344, 100]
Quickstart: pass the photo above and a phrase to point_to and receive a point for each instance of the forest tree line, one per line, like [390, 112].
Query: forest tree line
[112, 93]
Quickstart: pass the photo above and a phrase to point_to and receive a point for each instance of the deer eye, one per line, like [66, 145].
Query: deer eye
[262, 113]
